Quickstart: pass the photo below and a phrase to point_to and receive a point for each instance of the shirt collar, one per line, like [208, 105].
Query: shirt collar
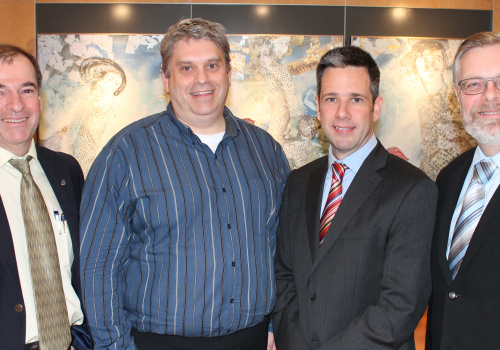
[232, 123]
[355, 159]
[479, 156]
[6, 155]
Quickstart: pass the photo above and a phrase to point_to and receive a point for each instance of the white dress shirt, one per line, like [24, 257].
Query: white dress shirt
[10, 178]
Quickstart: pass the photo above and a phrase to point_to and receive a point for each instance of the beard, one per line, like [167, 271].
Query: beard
[486, 130]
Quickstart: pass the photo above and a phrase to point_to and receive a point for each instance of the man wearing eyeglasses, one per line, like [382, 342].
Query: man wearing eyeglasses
[464, 311]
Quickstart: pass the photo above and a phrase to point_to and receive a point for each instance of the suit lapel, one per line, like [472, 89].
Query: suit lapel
[59, 183]
[313, 205]
[365, 181]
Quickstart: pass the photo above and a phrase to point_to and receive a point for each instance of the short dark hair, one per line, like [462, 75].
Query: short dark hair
[196, 29]
[349, 56]
[482, 39]
[7, 54]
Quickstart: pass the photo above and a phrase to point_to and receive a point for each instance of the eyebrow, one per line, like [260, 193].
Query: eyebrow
[214, 59]
[28, 83]
[350, 94]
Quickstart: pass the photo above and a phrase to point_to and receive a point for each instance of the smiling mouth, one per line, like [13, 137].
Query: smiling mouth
[14, 120]
[342, 128]
[202, 93]
[489, 113]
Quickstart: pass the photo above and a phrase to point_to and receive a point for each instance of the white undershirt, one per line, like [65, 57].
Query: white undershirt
[212, 140]
[10, 178]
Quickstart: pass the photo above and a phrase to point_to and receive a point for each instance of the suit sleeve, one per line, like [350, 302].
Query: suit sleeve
[286, 309]
[104, 233]
[405, 283]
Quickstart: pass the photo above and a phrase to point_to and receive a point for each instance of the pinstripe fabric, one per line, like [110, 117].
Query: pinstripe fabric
[176, 239]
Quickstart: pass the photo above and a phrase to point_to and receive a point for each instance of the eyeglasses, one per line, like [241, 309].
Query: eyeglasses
[476, 86]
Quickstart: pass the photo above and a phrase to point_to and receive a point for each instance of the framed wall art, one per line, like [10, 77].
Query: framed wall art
[96, 84]
[420, 117]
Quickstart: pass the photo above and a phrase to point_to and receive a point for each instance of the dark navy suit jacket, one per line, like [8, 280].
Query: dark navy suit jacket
[66, 178]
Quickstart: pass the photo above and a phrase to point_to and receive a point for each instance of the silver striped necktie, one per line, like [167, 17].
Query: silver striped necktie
[472, 209]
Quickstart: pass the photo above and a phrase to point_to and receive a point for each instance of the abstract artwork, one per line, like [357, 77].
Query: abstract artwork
[420, 119]
[94, 85]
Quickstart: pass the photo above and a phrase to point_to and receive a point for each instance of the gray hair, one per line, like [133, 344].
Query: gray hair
[196, 29]
[476, 40]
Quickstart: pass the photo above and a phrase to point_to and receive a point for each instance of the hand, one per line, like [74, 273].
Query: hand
[271, 345]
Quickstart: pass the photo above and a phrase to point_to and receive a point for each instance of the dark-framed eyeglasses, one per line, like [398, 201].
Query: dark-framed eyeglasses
[476, 86]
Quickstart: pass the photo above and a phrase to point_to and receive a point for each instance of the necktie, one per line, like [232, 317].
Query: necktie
[472, 209]
[51, 312]
[334, 199]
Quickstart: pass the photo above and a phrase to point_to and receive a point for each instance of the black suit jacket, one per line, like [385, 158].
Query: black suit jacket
[66, 179]
[367, 286]
[472, 320]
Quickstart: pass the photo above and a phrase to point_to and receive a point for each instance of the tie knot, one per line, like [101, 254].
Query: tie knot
[22, 164]
[485, 170]
[339, 170]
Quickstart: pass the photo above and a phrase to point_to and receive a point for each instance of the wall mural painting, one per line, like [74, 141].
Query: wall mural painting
[94, 85]
[420, 118]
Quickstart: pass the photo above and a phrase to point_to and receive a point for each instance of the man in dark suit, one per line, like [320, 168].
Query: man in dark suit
[59, 180]
[464, 311]
[361, 280]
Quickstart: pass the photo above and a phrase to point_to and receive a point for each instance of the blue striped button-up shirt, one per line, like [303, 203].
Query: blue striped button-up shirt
[176, 239]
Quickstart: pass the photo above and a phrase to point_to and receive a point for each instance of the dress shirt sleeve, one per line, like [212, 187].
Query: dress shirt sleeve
[406, 281]
[105, 232]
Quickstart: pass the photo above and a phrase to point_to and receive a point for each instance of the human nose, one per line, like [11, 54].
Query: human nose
[491, 92]
[15, 102]
[201, 76]
[342, 112]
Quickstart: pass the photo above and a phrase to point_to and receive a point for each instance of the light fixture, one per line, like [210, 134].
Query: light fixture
[121, 12]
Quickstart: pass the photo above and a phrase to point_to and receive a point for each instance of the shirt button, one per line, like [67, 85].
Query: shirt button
[228, 331]
[223, 189]
[19, 308]
[233, 263]
[231, 301]
[215, 156]
[452, 295]
[313, 296]
[228, 225]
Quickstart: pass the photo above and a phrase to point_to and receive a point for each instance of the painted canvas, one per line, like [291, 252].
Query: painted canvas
[420, 119]
[94, 85]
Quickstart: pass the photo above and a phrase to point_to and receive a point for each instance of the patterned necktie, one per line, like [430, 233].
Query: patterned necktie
[51, 311]
[334, 199]
[472, 209]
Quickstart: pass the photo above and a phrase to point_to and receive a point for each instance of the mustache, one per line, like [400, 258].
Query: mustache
[485, 107]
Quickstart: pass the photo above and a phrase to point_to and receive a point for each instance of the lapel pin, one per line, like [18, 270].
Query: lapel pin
[63, 182]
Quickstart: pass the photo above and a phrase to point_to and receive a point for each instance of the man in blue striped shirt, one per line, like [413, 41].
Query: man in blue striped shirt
[179, 214]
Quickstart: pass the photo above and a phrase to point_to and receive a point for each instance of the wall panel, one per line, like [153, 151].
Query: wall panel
[17, 24]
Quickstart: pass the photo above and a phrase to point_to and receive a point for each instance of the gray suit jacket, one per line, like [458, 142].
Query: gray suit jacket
[367, 286]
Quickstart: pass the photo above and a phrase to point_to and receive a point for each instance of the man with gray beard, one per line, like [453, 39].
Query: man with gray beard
[464, 310]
